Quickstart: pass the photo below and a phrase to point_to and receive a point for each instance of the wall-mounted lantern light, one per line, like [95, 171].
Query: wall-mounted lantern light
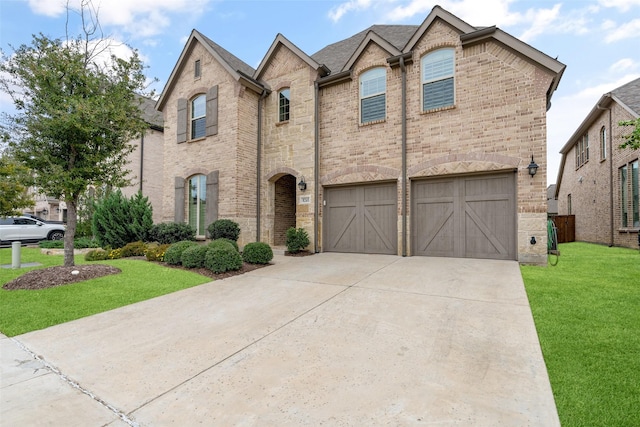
[302, 185]
[533, 167]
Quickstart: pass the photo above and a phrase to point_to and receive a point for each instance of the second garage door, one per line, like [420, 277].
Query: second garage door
[361, 219]
[465, 217]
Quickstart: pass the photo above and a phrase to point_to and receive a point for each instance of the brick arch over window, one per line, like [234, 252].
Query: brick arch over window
[182, 126]
[367, 173]
[463, 163]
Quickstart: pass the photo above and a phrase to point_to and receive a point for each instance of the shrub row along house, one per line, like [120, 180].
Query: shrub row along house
[402, 139]
[598, 181]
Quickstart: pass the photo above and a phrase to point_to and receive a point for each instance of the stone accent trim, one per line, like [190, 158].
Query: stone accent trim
[366, 173]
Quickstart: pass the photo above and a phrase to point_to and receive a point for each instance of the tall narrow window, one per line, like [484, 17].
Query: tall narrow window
[634, 194]
[603, 143]
[198, 117]
[284, 100]
[196, 69]
[198, 203]
[437, 79]
[623, 196]
[373, 93]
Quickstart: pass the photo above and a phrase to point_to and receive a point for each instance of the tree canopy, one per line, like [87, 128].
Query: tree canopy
[14, 182]
[76, 114]
[631, 140]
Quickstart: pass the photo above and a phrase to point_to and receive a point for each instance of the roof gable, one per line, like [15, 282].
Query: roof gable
[438, 13]
[281, 40]
[371, 37]
[238, 69]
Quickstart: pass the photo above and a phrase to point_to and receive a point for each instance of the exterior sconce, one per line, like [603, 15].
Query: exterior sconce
[533, 240]
[45, 212]
[302, 185]
[533, 167]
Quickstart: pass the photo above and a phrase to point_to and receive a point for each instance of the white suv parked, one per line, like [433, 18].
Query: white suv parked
[27, 229]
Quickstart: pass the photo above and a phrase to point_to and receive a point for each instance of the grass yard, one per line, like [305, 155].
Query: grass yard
[587, 314]
[22, 311]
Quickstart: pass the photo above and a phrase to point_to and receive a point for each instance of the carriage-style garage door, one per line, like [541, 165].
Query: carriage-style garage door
[361, 219]
[465, 217]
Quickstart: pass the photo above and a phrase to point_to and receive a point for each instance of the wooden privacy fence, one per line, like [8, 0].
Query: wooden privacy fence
[566, 225]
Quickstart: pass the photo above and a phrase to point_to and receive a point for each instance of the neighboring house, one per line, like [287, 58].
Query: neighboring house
[145, 171]
[402, 139]
[552, 202]
[597, 181]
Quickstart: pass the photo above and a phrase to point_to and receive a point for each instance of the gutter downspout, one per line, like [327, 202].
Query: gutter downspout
[141, 161]
[403, 69]
[316, 171]
[259, 163]
[611, 228]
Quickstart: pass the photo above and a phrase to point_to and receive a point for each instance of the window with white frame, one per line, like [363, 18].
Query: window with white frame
[438, 79]
[284, 101]
[582, 151]
[198, 116]
[603, 143]
[373, 94]
[197, 203]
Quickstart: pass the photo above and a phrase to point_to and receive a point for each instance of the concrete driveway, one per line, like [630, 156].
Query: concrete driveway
[330, 339]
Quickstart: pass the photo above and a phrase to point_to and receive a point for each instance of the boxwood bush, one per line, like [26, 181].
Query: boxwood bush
[155, 252]
[257, 253]
[193, 256]
[297, 240]
[96, 255]
[134, 249]
[224, 228]
[221, 257]
[173, 255]
[231, 242]
[171, 232]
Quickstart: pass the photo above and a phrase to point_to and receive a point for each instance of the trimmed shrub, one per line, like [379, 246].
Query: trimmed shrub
[115, 254]
[118, 220]
[222, 257]
[85, 242]
[173, 255]
[171, 232]
[51, 244]
[193, 256]
[96, 255]
[156, 252]
[231, 242]
[134, 249]
[257, 253]
[297, 240]
[224, 228]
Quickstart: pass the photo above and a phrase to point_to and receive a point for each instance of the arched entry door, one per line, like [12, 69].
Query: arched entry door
[285, 208]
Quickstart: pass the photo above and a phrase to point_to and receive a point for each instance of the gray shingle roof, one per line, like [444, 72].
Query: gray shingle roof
[149, 112]
[336, 55]
[235, 63]
[629, 94]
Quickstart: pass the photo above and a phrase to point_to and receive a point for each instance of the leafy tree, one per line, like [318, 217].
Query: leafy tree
[14, 181]
[633, 139]
[76, 113]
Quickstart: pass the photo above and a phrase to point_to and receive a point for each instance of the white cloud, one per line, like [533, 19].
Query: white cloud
[140, 18]
[625, 31]
[623, 5]
[336, 13]
[624, 65]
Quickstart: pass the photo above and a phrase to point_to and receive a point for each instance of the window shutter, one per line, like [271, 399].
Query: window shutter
[211, 214]
[179, 200]
[212, 111]
[181, 126]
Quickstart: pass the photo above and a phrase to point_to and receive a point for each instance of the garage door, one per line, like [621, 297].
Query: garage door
[465, 217]
[361, 219]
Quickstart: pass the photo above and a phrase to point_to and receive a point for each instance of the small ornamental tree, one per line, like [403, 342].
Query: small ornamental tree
[631, 140]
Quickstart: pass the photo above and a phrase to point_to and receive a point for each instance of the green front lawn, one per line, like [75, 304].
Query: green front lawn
[22, 311]
[587, 314]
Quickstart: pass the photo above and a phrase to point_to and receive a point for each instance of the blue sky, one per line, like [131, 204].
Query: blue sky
[598, 40]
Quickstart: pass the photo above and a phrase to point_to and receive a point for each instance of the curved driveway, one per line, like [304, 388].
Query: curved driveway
[330, 339]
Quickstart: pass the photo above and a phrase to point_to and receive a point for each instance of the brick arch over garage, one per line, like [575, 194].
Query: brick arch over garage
[358, 174]
[463, 163]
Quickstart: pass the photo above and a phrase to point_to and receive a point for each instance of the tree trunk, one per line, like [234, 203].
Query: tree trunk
[70, 233]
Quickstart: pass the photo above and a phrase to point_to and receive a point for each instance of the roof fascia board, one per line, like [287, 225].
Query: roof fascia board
[335, 78]
[174, 73]
[375, 38]
[282, 40]
[438, 13]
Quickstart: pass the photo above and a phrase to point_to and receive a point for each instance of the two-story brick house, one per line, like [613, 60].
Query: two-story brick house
[402, 139]
[598, 181]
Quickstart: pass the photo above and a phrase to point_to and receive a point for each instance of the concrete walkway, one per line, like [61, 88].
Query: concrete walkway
[330, 339]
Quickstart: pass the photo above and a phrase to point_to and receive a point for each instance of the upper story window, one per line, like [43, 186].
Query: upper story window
[373, 89]
[582, 151]
[198, 117]
[603, 143]
[284, 100]
[438, 79]
[196, 69]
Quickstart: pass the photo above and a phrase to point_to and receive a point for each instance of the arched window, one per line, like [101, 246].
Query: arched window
[438, 89]
[603, 143]
[197, 203]
[283, 105]
[198, 116]
[373, 88]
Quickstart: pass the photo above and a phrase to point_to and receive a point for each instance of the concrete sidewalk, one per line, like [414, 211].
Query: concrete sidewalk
[330, 339]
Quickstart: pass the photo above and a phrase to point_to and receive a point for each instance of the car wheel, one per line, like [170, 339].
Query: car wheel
[56, 235]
